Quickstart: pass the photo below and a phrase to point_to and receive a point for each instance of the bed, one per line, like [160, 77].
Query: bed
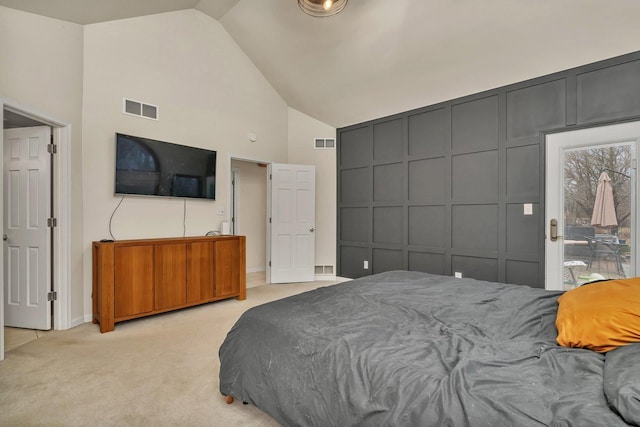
[413, 349]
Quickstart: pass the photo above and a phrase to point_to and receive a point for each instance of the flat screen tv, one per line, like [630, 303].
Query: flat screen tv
[155, 168]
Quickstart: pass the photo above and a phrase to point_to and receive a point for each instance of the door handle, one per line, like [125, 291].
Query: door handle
[312, 229]
[553, 230]
[4, 237]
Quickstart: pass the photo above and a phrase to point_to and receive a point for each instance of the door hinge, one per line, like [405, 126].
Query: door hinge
[269, 263]
[52, 148]
[52, 222]
[269, 220]
[52, 296]
[270, 176]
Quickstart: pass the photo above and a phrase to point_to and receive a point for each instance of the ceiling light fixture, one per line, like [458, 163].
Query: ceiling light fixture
[322, 8]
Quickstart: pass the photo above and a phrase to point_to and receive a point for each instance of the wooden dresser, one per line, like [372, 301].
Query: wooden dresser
[137, 278]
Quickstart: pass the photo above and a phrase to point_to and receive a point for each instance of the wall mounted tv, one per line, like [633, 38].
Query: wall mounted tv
[155, 168]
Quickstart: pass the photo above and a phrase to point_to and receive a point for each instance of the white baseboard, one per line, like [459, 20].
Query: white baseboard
[324, 278]
[80, 320]
[256, 269]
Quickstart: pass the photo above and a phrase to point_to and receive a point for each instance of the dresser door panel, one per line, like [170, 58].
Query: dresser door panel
[227, 276]
[133, 281]
[199, 271]
[170, 275]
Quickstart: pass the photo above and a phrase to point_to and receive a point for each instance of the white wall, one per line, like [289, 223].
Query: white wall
[41, 71]
[209, 94]
[302, 132]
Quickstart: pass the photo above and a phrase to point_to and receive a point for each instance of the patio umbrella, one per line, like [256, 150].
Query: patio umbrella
[604, 210]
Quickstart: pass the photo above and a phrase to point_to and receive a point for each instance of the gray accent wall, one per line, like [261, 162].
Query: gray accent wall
[441, 189]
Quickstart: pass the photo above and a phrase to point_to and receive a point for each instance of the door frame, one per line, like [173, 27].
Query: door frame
[596, 129]
[233, 194]
[233, 210]
[61, 196]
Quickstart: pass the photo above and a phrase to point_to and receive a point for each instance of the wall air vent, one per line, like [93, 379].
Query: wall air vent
[140, 109]
[324, 143]
[324, 270]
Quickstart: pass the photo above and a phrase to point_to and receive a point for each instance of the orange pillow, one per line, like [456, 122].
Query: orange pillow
[600, 316]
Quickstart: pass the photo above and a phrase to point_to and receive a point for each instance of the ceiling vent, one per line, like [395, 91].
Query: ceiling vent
[140, 109]
[324, 143]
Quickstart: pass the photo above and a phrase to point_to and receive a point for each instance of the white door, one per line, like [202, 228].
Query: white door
[291, 210]
[27, 205]
[578, 248]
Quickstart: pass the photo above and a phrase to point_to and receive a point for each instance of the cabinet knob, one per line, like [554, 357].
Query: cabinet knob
[312, 229]
[4, 237]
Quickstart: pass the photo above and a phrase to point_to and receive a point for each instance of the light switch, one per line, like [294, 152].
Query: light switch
[528, 208]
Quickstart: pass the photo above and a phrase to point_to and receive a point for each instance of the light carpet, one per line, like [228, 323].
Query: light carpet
[160, 370]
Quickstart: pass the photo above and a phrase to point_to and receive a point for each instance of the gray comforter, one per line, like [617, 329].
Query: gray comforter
[413, 349]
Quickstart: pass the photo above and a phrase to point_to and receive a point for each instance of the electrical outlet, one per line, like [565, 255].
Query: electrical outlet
[528, 209]
[220, 211]
[366, 265]
[458, 274]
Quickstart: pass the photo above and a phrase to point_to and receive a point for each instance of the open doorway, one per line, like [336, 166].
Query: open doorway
[26, 238]
[58, 253]
[248, 214]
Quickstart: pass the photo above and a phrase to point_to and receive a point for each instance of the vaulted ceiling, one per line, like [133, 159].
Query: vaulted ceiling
[380, 57]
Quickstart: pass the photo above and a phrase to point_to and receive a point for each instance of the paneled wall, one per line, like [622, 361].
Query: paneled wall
[442, 189]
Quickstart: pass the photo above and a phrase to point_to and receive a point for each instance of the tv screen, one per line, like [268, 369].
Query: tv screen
[155, 168]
